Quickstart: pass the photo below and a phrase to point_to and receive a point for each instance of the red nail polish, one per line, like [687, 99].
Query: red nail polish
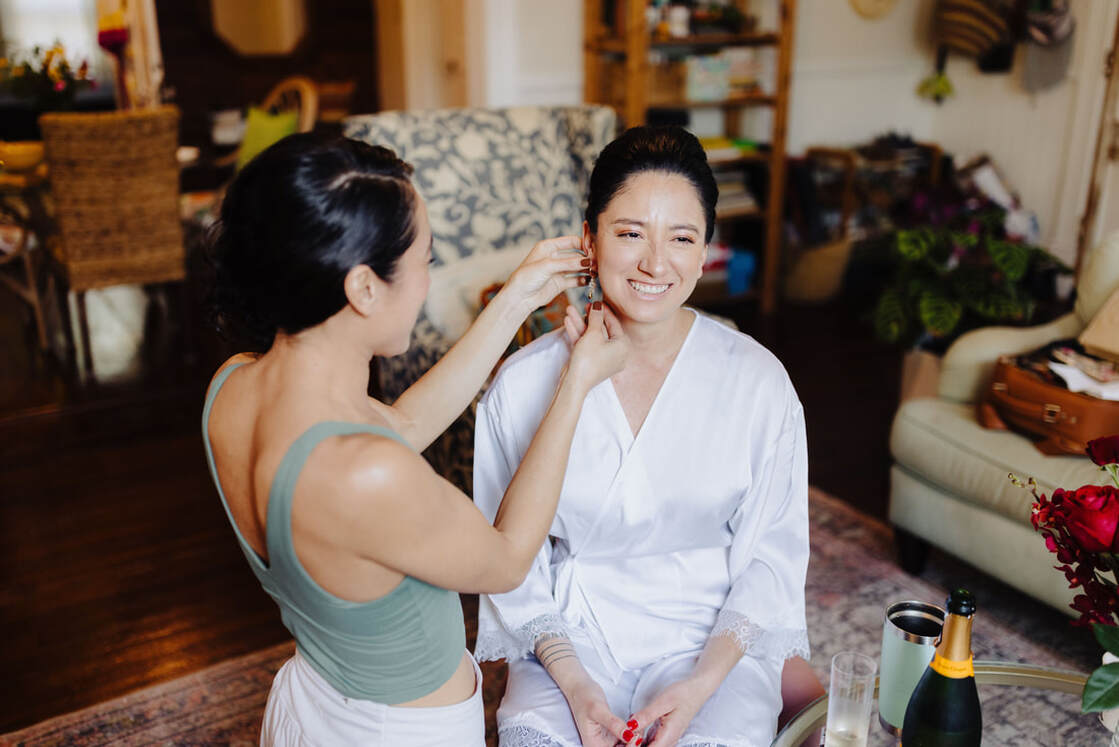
[598, 305]
[632, 723]
[627, 735]
[638, 742]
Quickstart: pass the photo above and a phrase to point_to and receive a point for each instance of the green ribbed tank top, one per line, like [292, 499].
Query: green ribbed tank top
[393, 649]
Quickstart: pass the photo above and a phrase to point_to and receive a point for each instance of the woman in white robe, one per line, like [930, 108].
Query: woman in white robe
[672, 589]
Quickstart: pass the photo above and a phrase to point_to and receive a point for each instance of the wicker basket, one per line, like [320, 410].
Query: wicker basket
[115, 186]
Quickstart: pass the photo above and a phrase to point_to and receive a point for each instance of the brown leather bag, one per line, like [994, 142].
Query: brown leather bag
[1059, 421]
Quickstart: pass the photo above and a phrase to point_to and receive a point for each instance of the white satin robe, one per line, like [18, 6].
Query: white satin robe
[697, 525]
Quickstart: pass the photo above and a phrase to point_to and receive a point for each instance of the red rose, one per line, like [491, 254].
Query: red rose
[1091, 516]
[1104, 451]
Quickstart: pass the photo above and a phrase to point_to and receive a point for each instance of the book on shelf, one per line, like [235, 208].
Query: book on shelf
[735, 202]
[719, 148]
[707, 78]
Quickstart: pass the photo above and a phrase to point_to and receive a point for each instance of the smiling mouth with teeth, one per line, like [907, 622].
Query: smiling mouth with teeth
[650, 290]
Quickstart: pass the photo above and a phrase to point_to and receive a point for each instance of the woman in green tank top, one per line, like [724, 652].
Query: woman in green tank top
[321, 260]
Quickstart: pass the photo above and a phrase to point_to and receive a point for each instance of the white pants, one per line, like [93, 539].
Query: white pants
[742, 712]
[304, 709]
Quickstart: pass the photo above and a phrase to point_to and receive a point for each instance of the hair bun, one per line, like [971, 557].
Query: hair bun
[294, 222]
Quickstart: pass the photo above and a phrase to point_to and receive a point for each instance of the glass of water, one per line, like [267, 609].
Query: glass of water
[850, 700]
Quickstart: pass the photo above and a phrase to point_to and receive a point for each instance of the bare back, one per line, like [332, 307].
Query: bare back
[256, 417]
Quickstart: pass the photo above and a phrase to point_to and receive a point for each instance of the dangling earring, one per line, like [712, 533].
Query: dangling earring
[590, 289]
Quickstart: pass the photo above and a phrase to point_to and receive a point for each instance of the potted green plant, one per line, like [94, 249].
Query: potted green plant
[947, 279]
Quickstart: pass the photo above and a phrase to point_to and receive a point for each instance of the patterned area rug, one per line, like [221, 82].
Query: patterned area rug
[851, 579]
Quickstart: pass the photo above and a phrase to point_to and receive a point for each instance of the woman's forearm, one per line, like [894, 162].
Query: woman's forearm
[719, 657]
[530, 501]
[557, 655]
[429, 406]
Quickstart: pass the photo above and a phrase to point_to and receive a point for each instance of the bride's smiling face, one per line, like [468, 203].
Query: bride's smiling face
[650, 246]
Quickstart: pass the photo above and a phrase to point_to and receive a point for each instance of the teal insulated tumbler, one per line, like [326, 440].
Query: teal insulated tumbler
[909, 636]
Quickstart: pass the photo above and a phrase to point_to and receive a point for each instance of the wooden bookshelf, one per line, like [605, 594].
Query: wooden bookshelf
[747, 99]
[712, 287]
[618, 45]
[739, 213]
[604, 47]
[743, 160]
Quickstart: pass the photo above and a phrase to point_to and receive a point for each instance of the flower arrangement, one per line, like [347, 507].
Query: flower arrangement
[45, 78]
[1081, 527]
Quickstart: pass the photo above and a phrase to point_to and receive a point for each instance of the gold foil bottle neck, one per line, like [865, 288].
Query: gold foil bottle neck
[955, 643]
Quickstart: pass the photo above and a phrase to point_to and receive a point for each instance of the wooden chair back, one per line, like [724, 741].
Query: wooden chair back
[297, 93]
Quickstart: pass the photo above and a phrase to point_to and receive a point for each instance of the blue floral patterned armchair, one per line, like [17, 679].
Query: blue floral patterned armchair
[495, 182]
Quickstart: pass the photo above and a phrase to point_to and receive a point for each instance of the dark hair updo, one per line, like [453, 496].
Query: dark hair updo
[296, 219]
[668, 149]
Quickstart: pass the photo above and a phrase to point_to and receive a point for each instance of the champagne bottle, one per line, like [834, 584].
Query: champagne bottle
[944, 708]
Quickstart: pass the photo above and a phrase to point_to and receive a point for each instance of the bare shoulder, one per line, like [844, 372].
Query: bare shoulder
[365, 468]
[236, 360]
[371, 496]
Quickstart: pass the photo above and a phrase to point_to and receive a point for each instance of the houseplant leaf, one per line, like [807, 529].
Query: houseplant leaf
[1102, 689]
[969, 283]
[915, 280]
[1012, 259]
[939, 314]
[964, 238]
[890, 318]
[1108, 637]
[1001, 306]
[913, 244]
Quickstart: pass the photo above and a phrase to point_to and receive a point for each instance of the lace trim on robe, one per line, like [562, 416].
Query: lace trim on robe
[778, 644]
[498, 643]
[528, 730]
[689, 740]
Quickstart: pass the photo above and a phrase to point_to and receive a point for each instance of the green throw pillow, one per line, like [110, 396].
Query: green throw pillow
[263, 129]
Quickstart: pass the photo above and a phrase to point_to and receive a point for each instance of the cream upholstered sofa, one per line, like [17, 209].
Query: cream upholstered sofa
[495, 182]
[949, 484]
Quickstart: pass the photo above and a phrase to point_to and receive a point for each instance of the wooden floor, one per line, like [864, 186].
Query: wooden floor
[118, 568]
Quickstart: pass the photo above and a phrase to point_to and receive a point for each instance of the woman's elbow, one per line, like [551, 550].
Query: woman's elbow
[508, 572]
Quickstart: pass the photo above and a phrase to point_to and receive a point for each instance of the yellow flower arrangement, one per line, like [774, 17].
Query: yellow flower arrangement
[45, 78]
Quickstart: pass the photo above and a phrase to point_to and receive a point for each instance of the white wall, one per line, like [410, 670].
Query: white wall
[853, 79]
[1043, 143]
[548, 71]
[530, 52]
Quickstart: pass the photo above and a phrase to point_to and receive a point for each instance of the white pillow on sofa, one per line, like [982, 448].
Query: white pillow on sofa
[454, 299]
